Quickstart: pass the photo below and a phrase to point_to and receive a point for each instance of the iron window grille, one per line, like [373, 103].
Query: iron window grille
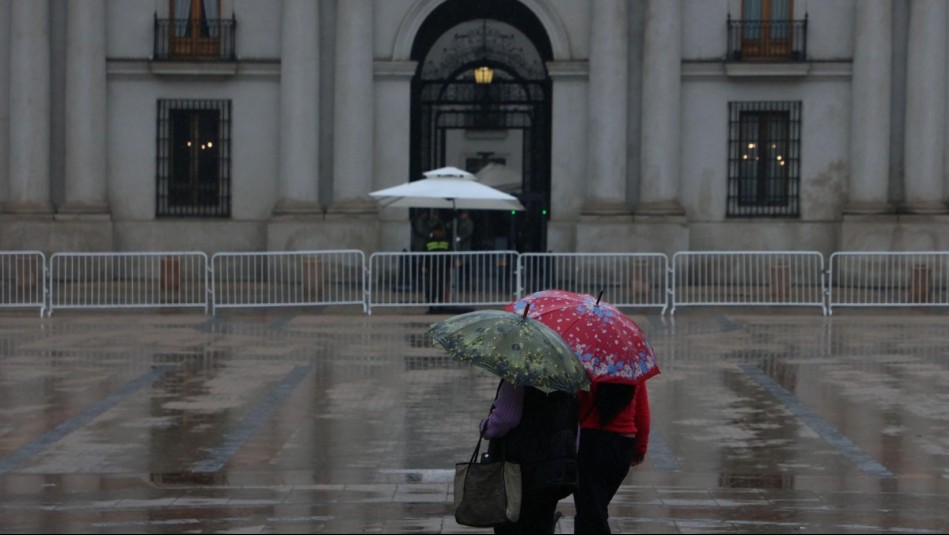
[194, 158]
[767, 33]
[764, 148]
[187, 39]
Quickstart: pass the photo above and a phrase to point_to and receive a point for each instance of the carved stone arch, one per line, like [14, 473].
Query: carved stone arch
[421, 9]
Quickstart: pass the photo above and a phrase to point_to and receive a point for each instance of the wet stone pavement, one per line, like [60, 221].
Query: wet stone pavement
[331, 421]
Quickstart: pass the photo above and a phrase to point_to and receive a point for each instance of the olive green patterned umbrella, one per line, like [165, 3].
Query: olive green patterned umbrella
[519, 349]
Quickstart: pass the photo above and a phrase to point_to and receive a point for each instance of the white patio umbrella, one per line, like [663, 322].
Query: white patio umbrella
[447, 187]
[501, 177]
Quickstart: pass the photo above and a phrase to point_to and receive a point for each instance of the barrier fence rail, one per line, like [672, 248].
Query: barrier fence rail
[479, 278]
[294, 278]
[482, 278]
[860, 279]
[128, 280]
[22, 280]
[627, 279]
[759, 278]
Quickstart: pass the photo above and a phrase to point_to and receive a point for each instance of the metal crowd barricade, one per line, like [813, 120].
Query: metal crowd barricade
[23, 280]
[128, 280]
[757, 278]
[897, 279]
[475, 278]
[291, 278]
[627, 279]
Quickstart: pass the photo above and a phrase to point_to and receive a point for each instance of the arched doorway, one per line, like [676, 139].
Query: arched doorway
[457, 121]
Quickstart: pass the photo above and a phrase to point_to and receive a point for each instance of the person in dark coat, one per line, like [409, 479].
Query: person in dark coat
[539, 432]
[421, 232]
[464, 229]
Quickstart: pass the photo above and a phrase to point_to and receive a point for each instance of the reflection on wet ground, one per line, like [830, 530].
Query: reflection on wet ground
[764, 422]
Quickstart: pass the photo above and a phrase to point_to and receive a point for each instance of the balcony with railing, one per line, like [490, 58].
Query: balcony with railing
[195, 40]
[767, 40]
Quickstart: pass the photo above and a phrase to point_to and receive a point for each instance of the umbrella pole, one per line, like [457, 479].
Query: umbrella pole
[453, 279]
[454, 224]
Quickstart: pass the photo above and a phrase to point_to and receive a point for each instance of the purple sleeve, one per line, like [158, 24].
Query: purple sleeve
[506, 413]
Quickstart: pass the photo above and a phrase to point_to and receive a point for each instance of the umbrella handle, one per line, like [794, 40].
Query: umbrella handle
[599, 297]
[527, 307]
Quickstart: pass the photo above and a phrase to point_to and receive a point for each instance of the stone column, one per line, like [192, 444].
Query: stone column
[85, 108]
[662, 67]
[925, 107]
[393, 81]
[568, 151]
[29, 108]
[870, 120]
[298, 178]
[4, 98]
[353, 112]
[607, 102]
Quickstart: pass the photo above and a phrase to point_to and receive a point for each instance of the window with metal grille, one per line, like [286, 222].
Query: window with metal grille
[764, 148]
[194, 158]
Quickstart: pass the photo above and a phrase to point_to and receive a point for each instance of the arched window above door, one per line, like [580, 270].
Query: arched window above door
[458, 51]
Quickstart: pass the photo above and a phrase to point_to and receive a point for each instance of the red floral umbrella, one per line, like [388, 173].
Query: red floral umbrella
[611, 347]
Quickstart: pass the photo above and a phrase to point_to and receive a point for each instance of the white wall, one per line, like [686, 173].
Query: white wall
[824, 140]
[130, 27]
[704, 28]
[258, 28]
[132, 113]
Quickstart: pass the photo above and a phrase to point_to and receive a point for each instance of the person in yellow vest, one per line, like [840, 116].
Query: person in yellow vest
[436, 267]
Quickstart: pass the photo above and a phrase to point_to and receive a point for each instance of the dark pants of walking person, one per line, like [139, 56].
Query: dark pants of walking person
[603, 461]
[436, 272]
[537, 514]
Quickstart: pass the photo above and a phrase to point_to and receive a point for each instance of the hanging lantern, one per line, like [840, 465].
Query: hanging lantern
[483, 75]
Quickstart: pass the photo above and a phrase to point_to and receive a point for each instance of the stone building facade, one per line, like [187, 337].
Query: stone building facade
[623, 125]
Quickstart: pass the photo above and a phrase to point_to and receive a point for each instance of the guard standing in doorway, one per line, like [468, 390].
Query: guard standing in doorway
[436, 266]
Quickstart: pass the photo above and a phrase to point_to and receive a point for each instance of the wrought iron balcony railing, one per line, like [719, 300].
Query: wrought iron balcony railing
[195, 40]
[767, 40]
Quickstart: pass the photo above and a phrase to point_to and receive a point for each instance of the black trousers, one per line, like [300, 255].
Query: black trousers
[603, 462]
[436, 277]
[537, 514]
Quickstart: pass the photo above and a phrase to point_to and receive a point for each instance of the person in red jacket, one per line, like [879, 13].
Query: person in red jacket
[614, 435]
